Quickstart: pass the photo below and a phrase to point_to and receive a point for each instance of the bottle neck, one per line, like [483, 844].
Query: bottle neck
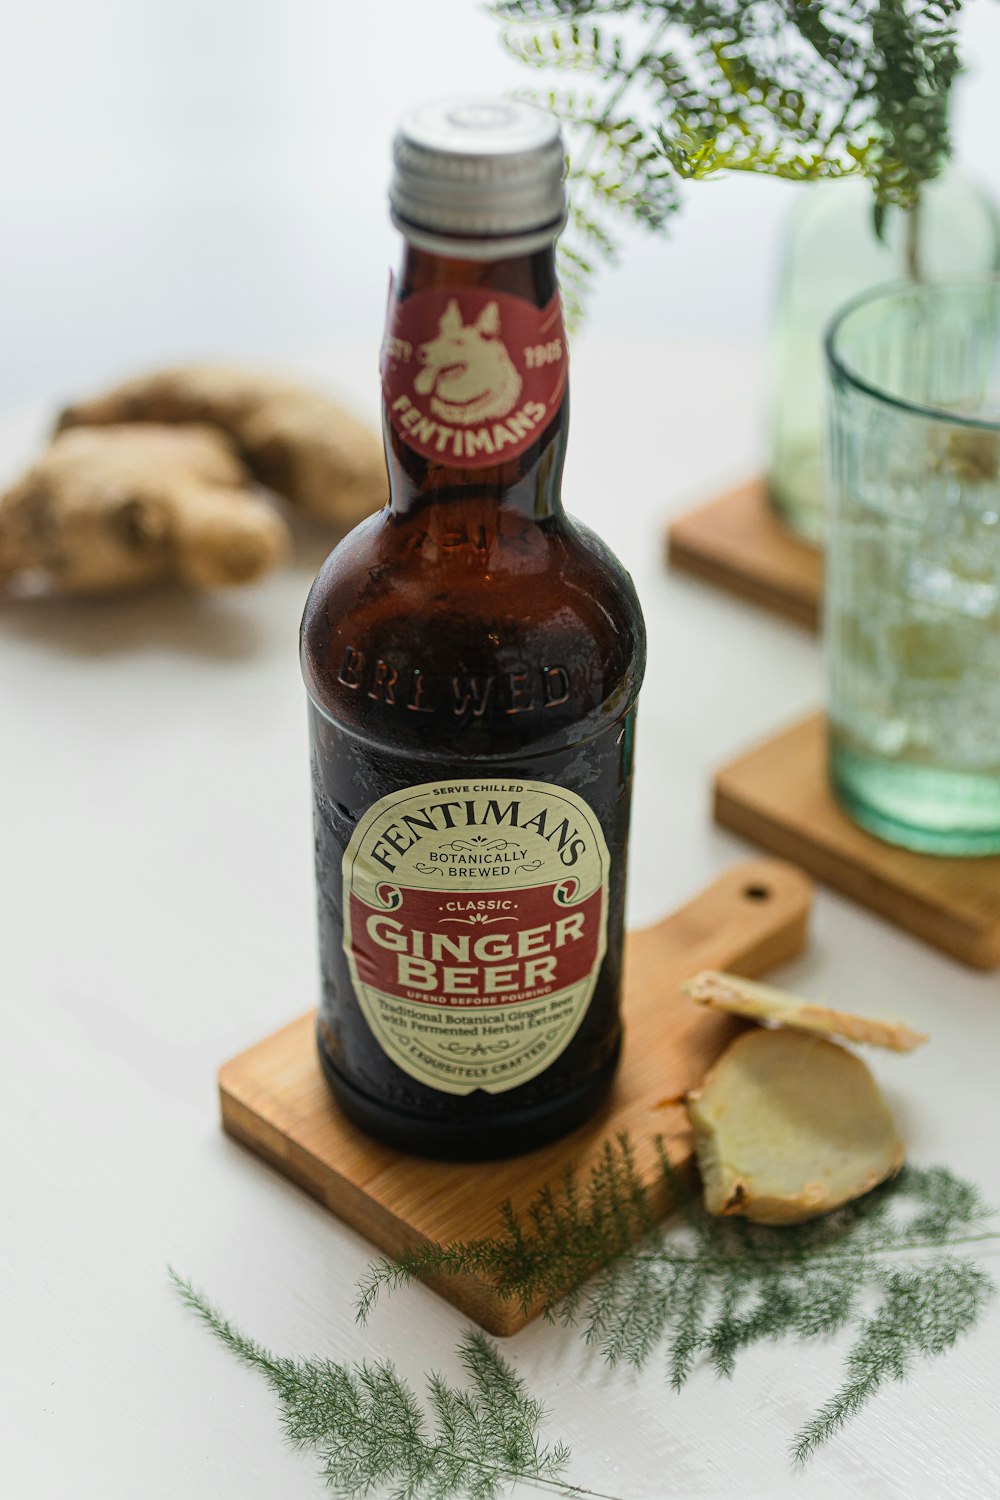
[475, 400]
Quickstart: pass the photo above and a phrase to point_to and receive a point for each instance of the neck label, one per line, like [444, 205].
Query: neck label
[472, 377]
[475, 923]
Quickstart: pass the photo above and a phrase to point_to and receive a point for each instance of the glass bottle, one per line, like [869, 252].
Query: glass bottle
[472, 657]
[832, 254]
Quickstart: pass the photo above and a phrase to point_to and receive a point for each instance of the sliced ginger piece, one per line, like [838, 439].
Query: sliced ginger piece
[296, 440]
[763, 1002]
[788, 1126]
[111, 509]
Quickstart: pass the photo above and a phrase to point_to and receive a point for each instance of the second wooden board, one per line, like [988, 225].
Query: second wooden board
[276, 1101]
[778, 795]
[737, 543]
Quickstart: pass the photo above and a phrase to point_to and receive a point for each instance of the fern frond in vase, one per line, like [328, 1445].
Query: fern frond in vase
[674, 90]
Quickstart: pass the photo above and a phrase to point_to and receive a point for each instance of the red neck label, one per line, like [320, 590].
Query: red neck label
[472, 377]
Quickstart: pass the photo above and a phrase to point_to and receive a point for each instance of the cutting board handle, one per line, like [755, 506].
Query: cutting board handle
[755, 913]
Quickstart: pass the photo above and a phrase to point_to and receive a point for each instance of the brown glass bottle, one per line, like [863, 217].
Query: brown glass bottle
[472, 641]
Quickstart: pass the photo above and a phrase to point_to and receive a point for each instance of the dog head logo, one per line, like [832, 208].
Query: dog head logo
[466, 369]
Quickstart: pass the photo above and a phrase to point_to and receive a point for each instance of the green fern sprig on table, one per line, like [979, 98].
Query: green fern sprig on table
[568, 1232]
[883, 1266]
[369, 1430]
[677, 90]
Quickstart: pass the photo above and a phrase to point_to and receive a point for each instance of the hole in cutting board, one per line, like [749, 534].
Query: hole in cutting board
[757, 892]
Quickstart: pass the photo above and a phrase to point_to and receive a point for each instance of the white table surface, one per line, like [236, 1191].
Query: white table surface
[158, 916]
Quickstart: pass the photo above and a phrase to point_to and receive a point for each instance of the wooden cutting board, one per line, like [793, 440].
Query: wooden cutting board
[276, 1100]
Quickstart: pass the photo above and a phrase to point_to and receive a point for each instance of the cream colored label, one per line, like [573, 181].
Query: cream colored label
[475, 923]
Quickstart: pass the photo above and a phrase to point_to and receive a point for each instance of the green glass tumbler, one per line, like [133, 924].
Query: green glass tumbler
[912, 613]
[832, 254]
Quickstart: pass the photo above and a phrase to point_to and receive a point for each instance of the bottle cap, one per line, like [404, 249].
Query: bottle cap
[487, 172]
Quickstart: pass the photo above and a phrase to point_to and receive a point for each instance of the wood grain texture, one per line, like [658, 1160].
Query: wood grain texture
[275, 1100]
[777, 795]
[736, 542]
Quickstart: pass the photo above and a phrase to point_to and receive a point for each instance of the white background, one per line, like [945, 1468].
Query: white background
[187, 177]
[209, 178]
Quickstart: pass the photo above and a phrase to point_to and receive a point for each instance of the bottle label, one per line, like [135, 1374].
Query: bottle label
[475, 923]
[472, 377]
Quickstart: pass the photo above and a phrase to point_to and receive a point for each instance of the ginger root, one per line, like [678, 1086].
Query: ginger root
[763, 1002]
[297, 441]
[788, 1126]
[110, 509]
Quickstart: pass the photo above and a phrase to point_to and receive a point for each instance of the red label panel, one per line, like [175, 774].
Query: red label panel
[472, 377]
[476, 952]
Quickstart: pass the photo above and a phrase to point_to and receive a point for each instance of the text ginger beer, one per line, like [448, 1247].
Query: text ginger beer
[472, 657]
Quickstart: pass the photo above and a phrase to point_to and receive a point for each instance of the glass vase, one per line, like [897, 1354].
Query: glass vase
[832, 254]
[913, 565]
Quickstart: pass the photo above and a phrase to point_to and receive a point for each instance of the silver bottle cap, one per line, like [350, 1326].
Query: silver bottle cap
[478, 166]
